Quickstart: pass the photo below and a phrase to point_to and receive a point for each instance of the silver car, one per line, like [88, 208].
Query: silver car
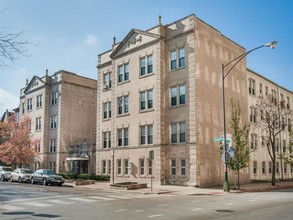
[21, 175]
[5, 173]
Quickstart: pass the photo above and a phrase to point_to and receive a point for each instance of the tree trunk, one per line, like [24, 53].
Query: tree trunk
[274, 172]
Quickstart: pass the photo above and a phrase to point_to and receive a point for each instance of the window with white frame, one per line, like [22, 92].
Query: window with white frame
[252, 114]
[183, 167]
[288, 102]
[53, 145]
[146, 65]
[146, 100]
[178, 95]
[23, 108]
[141, 167]
[126, 167]
[251, 87]
[123, 73]
[123, 105]
[146, 134]
[29, 104]
[173, 167]
[39, 101]
[150, 168]
[274, 96]
[109, 166]
[178, 132]
[54, 98]
[53, 120]
[106, 110]
[107, 81]
[260, 89]
[253, 141]
[119, 167]
[38, 124]
[122, 137]
[266, 90]
[255, 167]
[107, 139]
[177, 58]
[52, 165]
[104, 167]
[263, 167]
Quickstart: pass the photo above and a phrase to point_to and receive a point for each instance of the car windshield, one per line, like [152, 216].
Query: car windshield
[7, 169]
[49, 172]
[25, 171]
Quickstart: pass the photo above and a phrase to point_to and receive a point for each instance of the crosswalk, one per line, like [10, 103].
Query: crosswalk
[39, 202]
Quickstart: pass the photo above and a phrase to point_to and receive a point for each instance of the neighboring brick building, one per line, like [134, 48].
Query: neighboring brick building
[260, 161]
[62, 108]
[160, 90]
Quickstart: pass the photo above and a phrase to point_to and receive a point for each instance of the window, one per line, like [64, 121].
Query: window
[52, 145]
[146, 134]
[150, 167]
[178, 95]
[126, 167]
[146, 100]
[39, 101]
[54, 98]
[252, 115]
[53, 120]
[277, 167]
[274, 96]
[119, 167]
[173, 167]
[254, 167]
[104, 167]
[123, 105]
[266, 90]
[178, 132]
[23, 108]
[30, 104]
[177, 58]
[285, 167]
[38, 148]
[260, 88]
[263, 167]
[251, 88]
[270, 167]
[253, 141]
[183, 167]
[109, 166]
[107, 81]
[123, 73]
[107, 110]
[38, 124]
[107, 139]
[146, 65]
[122, 137]
[288, 102]
[141, 165]
[52, 165]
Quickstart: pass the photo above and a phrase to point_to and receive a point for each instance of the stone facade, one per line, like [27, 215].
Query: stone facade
[62, 108]
[186, 112]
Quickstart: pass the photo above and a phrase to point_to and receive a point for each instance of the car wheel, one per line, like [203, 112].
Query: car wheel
[32, 181]
[19, 179]
[59, 184]
[10, 179]
[44, 182]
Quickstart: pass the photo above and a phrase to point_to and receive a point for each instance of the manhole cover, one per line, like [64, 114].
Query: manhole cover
[225, 210]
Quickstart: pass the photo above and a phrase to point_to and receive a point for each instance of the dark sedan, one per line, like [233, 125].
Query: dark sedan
[46, 177]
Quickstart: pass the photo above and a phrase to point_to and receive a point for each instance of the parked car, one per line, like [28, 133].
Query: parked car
[46, 177]
[21, 175]
[5, 173]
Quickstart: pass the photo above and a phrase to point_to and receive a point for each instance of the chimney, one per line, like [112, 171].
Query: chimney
[160, 20]
[46, 72]
[114, 42]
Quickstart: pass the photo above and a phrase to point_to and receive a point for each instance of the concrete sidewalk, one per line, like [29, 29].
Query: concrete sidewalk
[184, 190]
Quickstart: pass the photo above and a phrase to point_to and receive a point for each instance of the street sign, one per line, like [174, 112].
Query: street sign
[220, 139]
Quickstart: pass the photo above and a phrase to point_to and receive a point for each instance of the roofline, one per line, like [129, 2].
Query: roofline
[258, 74]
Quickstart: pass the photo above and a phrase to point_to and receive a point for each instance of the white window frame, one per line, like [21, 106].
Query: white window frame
[141, 167]
[53, 122]
[148, 134]
[107, 81]
[53, 145]
[123, 71]
[146, 65]
[38, 123]
[29, 104]
[107, 112]
[106, 139]
[177, 57]
[177, 127]
[39, 101]
[173, 167]
[176, 92]
[146, 97]
[54, 98]
[124, 102]
[123, 134]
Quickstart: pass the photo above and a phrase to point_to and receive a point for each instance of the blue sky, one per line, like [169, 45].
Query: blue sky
[71, 33]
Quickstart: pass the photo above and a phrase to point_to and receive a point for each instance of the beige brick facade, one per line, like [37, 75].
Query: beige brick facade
[184, 151]
[62, 108]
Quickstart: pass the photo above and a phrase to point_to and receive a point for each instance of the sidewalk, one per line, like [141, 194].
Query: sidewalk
[184, 190]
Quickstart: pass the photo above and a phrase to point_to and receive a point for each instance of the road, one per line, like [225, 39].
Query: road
[25, 201]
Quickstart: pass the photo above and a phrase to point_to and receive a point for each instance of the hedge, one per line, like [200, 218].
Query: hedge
[85, 176]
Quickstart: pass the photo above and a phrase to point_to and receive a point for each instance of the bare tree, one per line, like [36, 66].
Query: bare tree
[274, 118]
[12, 46]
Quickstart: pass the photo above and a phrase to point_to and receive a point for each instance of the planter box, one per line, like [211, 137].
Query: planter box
[84, 182]
[129, 185]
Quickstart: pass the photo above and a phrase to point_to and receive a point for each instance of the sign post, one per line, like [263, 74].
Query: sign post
[151, 157]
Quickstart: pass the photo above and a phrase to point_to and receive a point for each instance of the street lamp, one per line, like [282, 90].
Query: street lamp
[272, 45]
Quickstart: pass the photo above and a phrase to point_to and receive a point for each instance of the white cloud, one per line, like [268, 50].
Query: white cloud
[91, 40]
[7, 101]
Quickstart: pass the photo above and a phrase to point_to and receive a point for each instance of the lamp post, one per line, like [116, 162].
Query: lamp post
[272, 45]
